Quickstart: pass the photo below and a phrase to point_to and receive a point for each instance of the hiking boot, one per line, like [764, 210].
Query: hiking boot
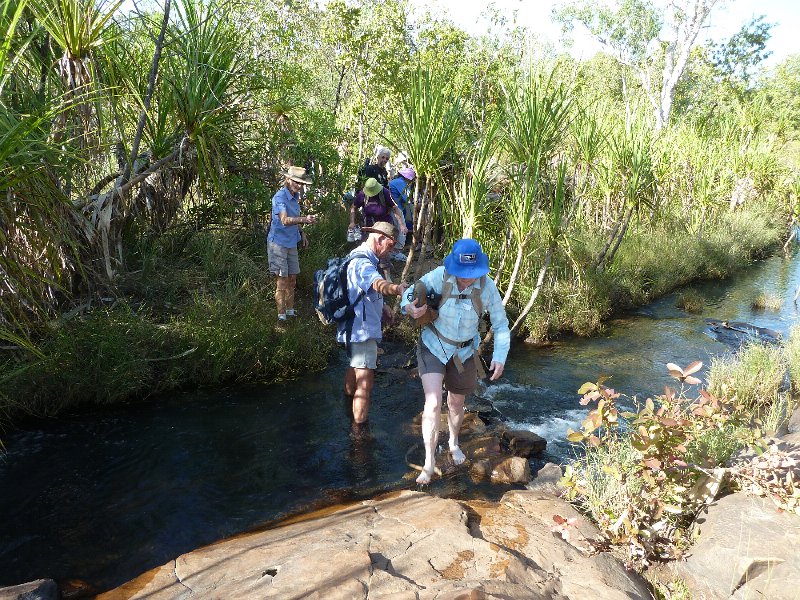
[351, 234]
[290, 312]
[357, 234]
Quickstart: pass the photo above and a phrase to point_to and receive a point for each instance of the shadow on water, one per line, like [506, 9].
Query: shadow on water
[105, 495]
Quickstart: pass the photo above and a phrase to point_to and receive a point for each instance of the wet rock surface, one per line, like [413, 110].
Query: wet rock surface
[407, 545]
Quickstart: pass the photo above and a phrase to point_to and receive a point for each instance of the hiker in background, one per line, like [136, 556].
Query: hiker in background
[284, 235]
[377, 170]
[447, 348]
[366, 289]
[399, 188]
[376, 204]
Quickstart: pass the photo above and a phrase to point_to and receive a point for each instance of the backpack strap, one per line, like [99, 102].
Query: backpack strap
[475, 296]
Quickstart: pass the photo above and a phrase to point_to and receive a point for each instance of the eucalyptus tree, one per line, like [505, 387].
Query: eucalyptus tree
[653, 38]
[426, 127]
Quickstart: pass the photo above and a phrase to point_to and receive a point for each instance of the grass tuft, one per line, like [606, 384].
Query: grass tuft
[767, 301]
[754, 375]
[690, 301]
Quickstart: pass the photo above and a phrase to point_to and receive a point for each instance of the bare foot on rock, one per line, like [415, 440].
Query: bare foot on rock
[425, 476]
[458, 456]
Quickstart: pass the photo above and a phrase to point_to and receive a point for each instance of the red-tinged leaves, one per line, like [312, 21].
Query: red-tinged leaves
[680, 463]
[667, 422]
[652, 463]
[692, 381]
[594, 441]
[693, 368]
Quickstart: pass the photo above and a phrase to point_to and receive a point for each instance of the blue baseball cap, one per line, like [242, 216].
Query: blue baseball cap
[467, 260]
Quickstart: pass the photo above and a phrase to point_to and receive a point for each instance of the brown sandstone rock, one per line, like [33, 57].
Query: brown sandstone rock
[524, 443]
[407, 545]
[745, 549]
[548, 480]
[511, 470]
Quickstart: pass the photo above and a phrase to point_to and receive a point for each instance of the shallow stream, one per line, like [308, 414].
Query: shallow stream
[110, 493]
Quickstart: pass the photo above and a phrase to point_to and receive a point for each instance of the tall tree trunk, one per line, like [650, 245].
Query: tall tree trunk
[151, 84]
[515, 271]
[417, 225]
[622, 233]
[535, 293]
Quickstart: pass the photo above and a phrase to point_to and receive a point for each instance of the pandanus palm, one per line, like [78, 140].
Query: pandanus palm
[635, 184]
[426, 128]
[78, 28]
[36, 240]
[537, 116]
[468, 206]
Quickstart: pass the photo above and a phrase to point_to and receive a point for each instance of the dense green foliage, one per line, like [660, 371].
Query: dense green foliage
[139, 153]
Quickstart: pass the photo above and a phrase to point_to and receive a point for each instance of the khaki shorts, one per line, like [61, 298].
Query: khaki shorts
[458, 383]
[364, 355]
[282, 261]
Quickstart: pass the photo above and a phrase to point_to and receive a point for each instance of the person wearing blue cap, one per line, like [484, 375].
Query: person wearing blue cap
[448, 343]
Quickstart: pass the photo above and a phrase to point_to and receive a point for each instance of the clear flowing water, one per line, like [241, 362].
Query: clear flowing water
[105, 495]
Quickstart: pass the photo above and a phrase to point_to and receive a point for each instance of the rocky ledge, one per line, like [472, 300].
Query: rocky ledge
[404, 545]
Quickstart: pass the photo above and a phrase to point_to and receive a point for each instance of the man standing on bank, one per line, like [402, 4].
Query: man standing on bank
[366, 288]
[446, 352]
[284, 235]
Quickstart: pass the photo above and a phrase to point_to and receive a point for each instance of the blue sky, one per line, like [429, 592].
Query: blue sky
[726, 19]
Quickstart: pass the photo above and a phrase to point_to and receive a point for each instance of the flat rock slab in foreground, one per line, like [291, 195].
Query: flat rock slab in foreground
[408, 545]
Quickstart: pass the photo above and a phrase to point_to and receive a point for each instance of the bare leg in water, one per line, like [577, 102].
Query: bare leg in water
[358, 384]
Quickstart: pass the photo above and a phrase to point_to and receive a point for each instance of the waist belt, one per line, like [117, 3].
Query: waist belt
[456, 358]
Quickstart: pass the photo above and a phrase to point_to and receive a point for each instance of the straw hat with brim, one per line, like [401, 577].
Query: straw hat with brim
[382, 227]
[298, 174]
[467, 260]
[372, 187]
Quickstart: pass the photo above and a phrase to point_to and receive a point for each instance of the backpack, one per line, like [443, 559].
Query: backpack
[331, 297]
[381, 199]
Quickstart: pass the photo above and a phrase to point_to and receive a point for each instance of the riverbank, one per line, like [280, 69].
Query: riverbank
[196, 310]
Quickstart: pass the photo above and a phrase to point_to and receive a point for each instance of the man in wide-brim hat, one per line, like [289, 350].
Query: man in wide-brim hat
[366, 288]
[284, 235]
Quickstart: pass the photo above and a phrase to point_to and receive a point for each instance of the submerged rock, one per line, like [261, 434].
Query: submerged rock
[736, 333]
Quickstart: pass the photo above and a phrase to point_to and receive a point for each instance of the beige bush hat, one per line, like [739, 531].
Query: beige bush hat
[298, 174]
[382, 227]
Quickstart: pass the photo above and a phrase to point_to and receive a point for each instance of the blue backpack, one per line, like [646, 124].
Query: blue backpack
[331, 298]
